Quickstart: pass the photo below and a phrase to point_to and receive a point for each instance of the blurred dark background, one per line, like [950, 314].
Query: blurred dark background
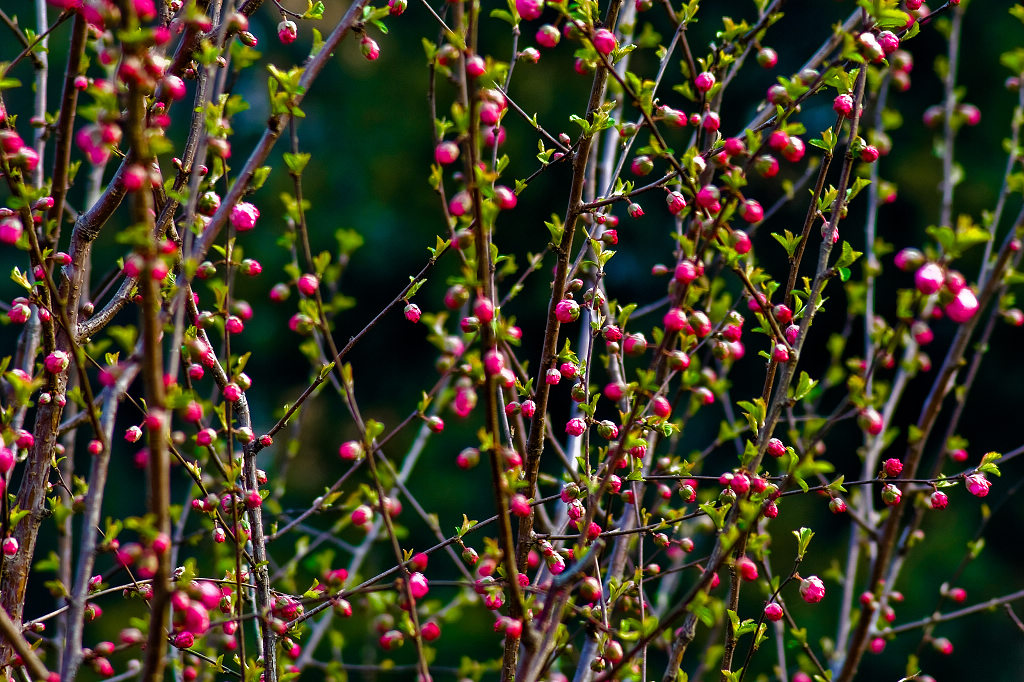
[368, 128]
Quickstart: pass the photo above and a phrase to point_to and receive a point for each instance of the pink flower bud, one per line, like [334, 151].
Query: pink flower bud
[661, 407]
[708, 197]
[704, 81]
[604, 41]
[287, 32]
[368, 46]
[575, 427]
[308, 284]
[635, 344]
[812, 590]
[519, 505]
[350, 450]
[418, 585]
[548, 36]
[475, 66]
[56, 362]
[674, 320]
[892, 467]
[751, 211]
[362, 515]
[978, 485]
[232, 392]
[869, 154]
[446, 152]
[494, 362]
[529, 9]
[889, 42]
[962, 307]
[412, 312]
[747, 569]
[767, 58]
[843, 105]
[871, 421]
[183, 640]
[567, 310]
[244, 216]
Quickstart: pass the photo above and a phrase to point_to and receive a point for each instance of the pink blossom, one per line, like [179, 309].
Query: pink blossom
[56, 362]
[548, 36]
[978, 485]
[520, 505]
[929, 278]
[10, 230]
[604, 41]
[244, 216]
[747, 568]
[446, 152]
[308, 284]
[576, 426]
[418, 585]
[674, 320]
[704, 81]
[369, 47]
[529, 9]
[567, 310]
[812, 589]
[6, 460]
[963, 306]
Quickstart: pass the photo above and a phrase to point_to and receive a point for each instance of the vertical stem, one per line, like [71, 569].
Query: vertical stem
[948, 84]
[64, 127]
[925, 423]
[158, 467]
[42, 66]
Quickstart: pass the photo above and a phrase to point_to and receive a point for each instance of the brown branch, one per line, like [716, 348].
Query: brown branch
[13, 635]
[65, 123]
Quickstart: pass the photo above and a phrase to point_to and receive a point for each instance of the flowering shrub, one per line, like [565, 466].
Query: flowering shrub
[656, 475]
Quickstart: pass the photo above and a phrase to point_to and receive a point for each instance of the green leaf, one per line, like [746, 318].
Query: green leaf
[504, 16]
[789, 241]
[803, 540]
[715, 514]
[755, 412]
[988, 464]
[373, 429]
[315, 11]
[296, 162]
[556, 229]
[467, 524]
[913, 434]
[944, 236]
[804, 386]
[582, 123]
[848, 256]
[259, 177]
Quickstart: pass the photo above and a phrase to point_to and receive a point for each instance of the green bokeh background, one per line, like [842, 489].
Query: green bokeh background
[368, 127]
